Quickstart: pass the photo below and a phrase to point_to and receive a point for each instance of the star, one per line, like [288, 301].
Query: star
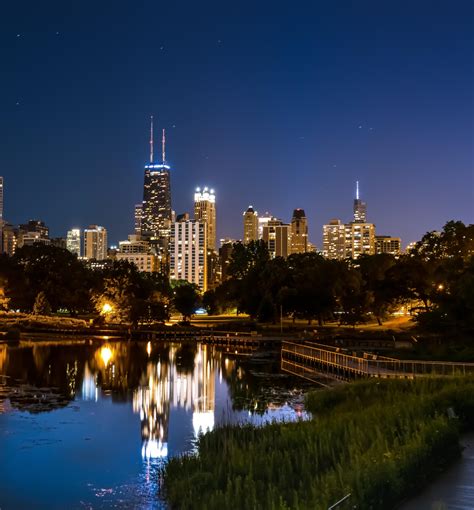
[219, 41]
[360, 127]
[174, 125]
[162, 48]
[18, 103]
[57, 33]
[18, 35]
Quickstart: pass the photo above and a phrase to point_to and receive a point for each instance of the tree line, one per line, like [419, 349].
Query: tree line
[435, 280]
[44, 279]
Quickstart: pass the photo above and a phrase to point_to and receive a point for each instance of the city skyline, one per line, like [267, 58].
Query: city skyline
[328, 104]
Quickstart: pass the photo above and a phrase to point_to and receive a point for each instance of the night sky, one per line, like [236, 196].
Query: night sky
[275, 104]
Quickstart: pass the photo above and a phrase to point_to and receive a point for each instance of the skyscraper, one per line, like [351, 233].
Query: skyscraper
[205, 212]
[360, 239]
[250, 225]
[156, 213]
[277, 236]
[360, 208]
[188, 252]
[138, 218]
[299, 232]
[334, 240]
[1, 198]
[95, 242]
[73, 241]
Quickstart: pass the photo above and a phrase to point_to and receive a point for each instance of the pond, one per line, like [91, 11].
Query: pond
[89, 423]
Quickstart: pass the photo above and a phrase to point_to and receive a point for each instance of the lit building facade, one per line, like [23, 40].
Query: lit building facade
[145, 262]
[188, 252]
[35, 231]
[388, 244]
[205, 212]
[156, 209]
[138, 213]
[9, 238]
[1, 198]
[360, 239]
[277, 236]
[299, 232]
[250, 225]
[262, 221]
[95, 242]
[334, 240]
[73, 241]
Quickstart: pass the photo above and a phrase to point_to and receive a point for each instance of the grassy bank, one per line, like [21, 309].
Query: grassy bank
[379, 441]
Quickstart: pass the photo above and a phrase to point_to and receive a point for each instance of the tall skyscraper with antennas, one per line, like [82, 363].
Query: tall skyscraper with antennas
[360, 208]
[156, 211]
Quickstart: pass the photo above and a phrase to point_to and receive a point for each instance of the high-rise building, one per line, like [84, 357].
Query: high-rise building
[250, 225]
[73, 241]
[138, 213]
[360, 239]
[262, 221]
[205, 211]
[1, 198]
[9, 238]
[33, 232]
[388, 244]
[156, 213]
[360, 208]
[299, 232]
[277, 236]
[334, 240]
[225, 257]
[95, 242]
[188, 252]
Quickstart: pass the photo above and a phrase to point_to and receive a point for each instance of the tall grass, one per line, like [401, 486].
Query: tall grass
[378, 441]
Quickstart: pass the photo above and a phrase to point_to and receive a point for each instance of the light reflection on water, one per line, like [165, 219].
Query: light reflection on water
[89, 425]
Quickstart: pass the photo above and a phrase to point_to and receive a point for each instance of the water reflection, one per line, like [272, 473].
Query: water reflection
[170, 393]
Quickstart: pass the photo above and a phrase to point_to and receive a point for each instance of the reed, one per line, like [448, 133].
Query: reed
[378, 440]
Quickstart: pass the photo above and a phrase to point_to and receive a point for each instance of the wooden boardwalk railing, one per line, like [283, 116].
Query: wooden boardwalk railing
[342, 364]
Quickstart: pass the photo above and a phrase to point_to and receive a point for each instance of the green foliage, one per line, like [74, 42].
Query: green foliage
[41, 306]
[186, 298]
[378, 440]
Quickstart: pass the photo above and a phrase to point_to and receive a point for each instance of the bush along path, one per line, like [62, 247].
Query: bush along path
[377, 440]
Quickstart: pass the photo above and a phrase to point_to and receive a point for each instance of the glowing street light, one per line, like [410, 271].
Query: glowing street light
[106, 308]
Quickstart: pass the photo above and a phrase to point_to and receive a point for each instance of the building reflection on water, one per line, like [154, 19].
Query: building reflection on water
[163, 386]
[155, 378]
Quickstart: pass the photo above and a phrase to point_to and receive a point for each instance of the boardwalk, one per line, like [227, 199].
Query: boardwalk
[307, 360]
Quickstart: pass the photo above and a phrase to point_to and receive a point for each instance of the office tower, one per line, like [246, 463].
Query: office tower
[360, 239]
[262, 221]
[388, 244]
[334, 240]
[138, 218]
[250, 225]
[138, 251]
[277, 236]
[188, 252]
[156, 213]
[299, 232]
[33, 232]
[95, 242]
[205, 212]
[9, 238]
[225, 257]
[1, 198]
[73, 241]
[360, 208]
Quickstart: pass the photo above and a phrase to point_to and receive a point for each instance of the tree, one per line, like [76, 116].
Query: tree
[186, 298]
[41, 306]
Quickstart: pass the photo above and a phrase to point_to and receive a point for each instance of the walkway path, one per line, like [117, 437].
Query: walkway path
[453, 490]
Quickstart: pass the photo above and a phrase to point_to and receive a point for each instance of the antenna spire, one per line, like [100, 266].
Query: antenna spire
[357, 190]
[151, 139]
[163, 143]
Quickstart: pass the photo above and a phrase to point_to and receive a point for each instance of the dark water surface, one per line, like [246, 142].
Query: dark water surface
[88, 424]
